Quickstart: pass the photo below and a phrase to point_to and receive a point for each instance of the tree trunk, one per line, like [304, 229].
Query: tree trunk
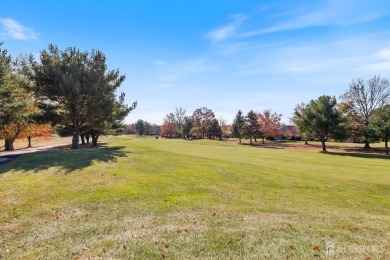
[95, 137]
[75, 137]
[323, 145]
[94, 140]
[87, 136]
[9, 144]
[366, 144]
[263, 140]
[239, 140]
[29, 141]
[386, 146]
[82, 138]
[250, 140]
[306, 143]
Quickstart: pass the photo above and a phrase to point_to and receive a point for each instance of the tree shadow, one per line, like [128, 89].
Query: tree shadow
[359, 154]
[65, 160]
[268, 145]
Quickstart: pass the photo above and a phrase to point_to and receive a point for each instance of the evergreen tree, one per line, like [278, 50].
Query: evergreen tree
[381, 124]
[299, 122]
[140, 127]
[322, 119]
[186, 127]
[214, 130]
[252, 126]
[78, 86]
[238, 125]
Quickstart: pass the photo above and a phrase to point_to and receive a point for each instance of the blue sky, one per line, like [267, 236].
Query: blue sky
[225, 55]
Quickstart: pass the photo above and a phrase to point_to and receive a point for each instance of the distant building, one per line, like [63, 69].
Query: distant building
[289, 132]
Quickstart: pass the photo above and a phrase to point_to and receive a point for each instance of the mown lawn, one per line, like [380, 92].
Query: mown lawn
[147, 198]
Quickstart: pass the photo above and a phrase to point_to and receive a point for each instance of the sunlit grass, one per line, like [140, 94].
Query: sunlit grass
[155, 198]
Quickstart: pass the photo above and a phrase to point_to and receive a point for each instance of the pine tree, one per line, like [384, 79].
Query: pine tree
[238, 125]
[322, 119]
[252, 126]
[79, 85]
[381, 124]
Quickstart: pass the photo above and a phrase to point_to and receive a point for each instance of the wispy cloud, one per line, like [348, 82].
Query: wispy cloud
[332, 13]
[14, 30]
[384, 53]
[228, 30]
[381, 65]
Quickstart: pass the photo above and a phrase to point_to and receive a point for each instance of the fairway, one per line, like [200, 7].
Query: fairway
[147, 198]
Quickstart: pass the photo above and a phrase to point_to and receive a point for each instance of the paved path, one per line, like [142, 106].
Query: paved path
[8, 156]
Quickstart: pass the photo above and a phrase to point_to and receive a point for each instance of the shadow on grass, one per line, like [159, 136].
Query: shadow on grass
[66, 160]
[359, 155]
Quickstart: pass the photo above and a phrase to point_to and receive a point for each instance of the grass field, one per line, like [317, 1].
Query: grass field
[147, 198]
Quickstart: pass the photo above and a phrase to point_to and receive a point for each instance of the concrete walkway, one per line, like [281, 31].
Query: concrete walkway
[8, 156]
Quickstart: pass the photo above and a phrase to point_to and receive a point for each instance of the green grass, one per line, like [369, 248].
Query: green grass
[146, 198]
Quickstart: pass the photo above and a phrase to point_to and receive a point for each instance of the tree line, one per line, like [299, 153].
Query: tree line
[202, 124]
[363, 115]
[71, 90]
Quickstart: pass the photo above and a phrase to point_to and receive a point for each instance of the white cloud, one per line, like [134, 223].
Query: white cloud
[384, 53]
[228, 30]
[15, 30]
[380, 67]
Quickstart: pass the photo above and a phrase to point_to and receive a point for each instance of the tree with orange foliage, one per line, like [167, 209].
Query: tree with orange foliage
[37, 130]
[170, 127]
[18, 106]
[269, 124]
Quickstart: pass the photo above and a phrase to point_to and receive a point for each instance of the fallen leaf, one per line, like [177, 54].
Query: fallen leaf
[316, 247]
